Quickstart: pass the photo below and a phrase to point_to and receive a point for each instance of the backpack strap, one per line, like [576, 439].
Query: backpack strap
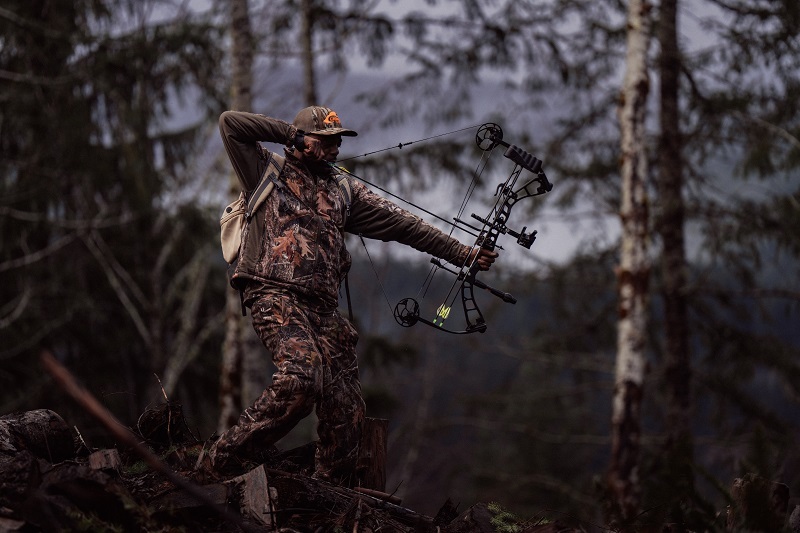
[267, 183]
[347, 192]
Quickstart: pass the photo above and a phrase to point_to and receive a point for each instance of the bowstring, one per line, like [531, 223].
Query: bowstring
[450, 296]
[401, 145]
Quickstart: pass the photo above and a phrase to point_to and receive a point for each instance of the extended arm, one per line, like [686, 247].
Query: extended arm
[375, 217]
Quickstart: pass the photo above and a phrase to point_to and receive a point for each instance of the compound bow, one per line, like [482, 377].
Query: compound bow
[488, 137]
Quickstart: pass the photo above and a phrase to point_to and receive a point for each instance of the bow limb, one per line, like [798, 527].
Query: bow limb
[406, 313]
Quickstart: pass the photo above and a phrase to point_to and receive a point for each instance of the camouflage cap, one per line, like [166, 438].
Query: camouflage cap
[321, 121]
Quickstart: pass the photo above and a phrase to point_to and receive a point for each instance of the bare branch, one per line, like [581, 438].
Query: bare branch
[34, 79]
[97, 222]
[116, 284]
[19, 307]
[118, 269]
[780, 132]
[30, 258]
[188, 342]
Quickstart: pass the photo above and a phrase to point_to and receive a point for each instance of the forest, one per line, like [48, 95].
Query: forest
[652, 357]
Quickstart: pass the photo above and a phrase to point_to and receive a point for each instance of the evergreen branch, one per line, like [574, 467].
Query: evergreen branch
[30, 24]
[769, 126]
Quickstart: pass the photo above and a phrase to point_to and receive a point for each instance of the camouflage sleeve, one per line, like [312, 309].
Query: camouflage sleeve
[241, 133]
[375, 217]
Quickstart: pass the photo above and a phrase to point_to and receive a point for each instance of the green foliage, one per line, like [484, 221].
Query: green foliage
[502, 520]
[137, 468]
[90, 523]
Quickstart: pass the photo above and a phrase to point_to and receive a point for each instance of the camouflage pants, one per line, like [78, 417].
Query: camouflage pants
[316, 361]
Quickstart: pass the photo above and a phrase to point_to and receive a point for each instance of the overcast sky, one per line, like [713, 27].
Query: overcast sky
[559, 233]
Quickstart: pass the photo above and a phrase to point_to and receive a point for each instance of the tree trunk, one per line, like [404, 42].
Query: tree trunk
[633, 274]
[307, 42]
[230, 394]
[678, 455]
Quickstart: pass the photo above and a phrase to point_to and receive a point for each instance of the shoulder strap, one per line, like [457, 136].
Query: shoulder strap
[344, 184]
[267, 183]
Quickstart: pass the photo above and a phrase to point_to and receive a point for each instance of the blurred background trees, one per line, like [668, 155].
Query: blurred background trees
[112, 179]
[105, 259]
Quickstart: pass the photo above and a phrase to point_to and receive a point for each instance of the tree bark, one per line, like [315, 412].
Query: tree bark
[230, 394]
[633, 274]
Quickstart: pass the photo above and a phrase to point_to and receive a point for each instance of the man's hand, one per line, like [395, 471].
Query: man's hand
[485, 258]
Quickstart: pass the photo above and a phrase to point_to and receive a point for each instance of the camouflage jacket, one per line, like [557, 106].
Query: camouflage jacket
[296, 240]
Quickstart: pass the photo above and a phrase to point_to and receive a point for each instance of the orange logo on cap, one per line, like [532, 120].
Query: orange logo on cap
[332, 120]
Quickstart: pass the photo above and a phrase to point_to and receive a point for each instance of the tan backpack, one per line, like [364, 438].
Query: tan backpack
[240, 211]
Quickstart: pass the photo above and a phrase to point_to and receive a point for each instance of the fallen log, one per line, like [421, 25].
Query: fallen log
[25, 439]
[331, 505]
[268, 498]
[72, 496]
[18, 474]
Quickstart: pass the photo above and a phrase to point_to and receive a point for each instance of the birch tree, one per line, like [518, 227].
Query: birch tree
[633, 272]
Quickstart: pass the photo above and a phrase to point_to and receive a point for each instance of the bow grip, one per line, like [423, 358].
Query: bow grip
[524, 159]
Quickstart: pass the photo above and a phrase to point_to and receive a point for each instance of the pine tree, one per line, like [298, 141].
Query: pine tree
[98, 263]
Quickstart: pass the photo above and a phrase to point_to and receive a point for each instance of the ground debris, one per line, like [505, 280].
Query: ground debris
[113, 489]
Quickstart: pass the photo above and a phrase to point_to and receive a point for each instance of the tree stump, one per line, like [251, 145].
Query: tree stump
[255, 497]
[371, 470]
